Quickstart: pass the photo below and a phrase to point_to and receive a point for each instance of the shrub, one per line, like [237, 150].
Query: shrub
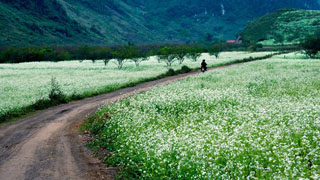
[56, 94]
[170, 72]
[184, 69]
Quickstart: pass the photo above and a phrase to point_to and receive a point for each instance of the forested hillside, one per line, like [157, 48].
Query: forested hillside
[285, 26]
[74, 22]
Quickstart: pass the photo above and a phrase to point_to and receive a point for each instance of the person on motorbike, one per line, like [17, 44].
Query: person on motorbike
[203, 66]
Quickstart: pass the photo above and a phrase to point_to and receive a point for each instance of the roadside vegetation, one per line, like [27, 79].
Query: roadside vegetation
[254, 121]
[25, 87]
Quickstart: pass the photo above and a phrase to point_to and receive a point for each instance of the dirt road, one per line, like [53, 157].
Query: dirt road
[48, 145]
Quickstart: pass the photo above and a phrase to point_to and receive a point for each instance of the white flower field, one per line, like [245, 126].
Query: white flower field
[24, 84]
[259, 120]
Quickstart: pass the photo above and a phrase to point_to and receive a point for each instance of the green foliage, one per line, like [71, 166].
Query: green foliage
[171, 72]
[127, 52]
[215, 50]
[181, 53]
[137, 55]
[93, 53]
[17, 55]
[167, 55]
[184, 69]
[311, 46]
[286, 26]
[56, 93]
[66, 22]
[194, 53]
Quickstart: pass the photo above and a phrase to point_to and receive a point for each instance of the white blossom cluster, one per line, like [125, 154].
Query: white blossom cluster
[25, 83]
[260, 120]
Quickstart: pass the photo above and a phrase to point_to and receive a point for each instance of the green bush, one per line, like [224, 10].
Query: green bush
[184, 69]
[56, 94]
[170, 72]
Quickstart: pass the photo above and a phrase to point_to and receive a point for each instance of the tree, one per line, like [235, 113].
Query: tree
[167, 55]
[139, 60]
[120, 57]
[125, 53]
[106, 55]
[311, 46]
[215, 51]
[136, 55]
[194, 53]
[181, 52]
[93, 54]
[83, 52]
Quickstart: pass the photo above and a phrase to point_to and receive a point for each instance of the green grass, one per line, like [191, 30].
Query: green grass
[25, 87]
[259, 120]
[288, 26]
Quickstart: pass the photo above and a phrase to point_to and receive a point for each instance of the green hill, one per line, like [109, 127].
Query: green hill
[34, 23]
[286, 26]
[79, 22]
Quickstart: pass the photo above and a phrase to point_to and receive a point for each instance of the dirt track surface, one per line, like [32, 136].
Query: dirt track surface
[48, 144]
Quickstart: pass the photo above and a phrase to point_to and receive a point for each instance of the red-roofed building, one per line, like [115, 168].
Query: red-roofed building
[238, 41]
[231, 41]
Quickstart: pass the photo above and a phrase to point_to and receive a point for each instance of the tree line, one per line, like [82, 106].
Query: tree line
[121, 54]
[166, 53]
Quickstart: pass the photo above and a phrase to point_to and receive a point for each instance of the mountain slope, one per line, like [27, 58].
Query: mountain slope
[78, 22]
[285, 26]
[39, 22]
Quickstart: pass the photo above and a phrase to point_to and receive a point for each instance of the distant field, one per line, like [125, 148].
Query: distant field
[259, 120]
[25, 83]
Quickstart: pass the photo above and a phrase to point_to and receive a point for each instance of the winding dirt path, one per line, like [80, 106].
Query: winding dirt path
[48, 145]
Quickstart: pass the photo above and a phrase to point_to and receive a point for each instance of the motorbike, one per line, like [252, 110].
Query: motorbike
[203, 69]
